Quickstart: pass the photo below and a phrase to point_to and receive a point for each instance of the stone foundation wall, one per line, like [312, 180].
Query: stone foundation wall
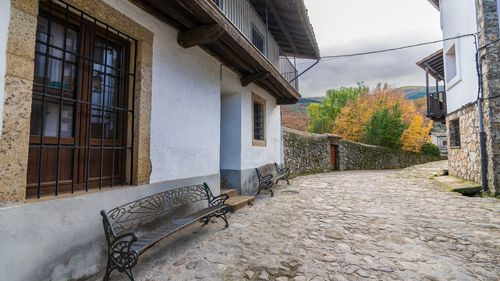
[357, 156]
[465, 161]
[305, 152]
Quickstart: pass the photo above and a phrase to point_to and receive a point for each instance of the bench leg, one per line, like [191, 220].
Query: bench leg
[207, 220]
[109, 268]
[129, 274]
[223, 216]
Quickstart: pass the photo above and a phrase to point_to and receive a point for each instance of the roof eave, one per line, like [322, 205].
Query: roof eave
[435, 3]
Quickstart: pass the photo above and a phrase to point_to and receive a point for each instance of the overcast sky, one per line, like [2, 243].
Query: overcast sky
[350, 26]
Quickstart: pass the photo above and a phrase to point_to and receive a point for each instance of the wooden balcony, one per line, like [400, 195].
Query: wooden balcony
[436, 106]
[202, 23]
[436, 99]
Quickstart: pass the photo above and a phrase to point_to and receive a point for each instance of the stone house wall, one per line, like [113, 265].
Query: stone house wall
[357, 156]
[305, 152]
[488, 25]
[464, 161]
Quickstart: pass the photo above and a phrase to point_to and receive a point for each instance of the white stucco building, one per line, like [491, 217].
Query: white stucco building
[465, 107]
[106, 101]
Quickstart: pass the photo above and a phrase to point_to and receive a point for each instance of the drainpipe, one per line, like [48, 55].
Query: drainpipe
[482, 133]
[319, 59]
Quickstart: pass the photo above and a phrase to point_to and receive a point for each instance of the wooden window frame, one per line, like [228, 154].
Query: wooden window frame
[89, 32]
[260, 100]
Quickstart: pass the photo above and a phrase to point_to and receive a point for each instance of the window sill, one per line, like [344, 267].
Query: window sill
[258, 143]
[75, 194]
[455, 147]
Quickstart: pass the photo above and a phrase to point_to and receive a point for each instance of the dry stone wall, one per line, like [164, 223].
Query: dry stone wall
[305, 152]
[357, 156]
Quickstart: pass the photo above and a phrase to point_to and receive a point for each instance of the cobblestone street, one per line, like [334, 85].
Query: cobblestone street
[378, 225]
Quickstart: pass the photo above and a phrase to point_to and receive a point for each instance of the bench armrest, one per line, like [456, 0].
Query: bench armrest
[266, 178]
[219, 200]
[120, 250]
[284, 171]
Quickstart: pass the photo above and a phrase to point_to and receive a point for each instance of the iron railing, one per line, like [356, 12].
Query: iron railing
[244, 16]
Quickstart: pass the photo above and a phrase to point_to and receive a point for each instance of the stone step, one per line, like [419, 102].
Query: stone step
[231, 192]
[238, 202]
[458, 185]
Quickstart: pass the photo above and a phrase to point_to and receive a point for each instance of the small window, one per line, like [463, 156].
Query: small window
[445, 143]
[257, 39]
[451, 63]
[259, 121]
[455, 133]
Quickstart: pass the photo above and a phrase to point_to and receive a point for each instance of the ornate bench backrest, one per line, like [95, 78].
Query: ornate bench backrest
[144, 210]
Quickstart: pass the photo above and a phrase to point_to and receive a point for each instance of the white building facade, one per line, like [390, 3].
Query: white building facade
[129, 104]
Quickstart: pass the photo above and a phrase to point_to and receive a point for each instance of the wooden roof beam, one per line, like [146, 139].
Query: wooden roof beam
[200, 35]
[282, 26]
[245, 81]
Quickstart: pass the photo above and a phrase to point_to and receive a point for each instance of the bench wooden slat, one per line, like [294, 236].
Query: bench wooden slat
[154, 236]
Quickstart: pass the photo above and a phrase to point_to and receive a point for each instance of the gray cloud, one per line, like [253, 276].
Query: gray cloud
[397, 68]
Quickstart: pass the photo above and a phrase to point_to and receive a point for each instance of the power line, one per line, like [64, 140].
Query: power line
[395, 49]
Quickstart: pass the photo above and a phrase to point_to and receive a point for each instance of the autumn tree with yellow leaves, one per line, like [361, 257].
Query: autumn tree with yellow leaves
[354, 118]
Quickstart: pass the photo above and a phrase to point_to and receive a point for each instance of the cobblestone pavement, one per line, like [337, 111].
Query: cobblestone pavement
[379, 225]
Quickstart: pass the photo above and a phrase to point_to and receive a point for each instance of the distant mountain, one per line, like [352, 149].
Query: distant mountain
[417, 92]
[295, 115]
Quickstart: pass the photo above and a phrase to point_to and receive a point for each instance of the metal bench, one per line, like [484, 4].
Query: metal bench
[265, 182]
[282, 174]
[132, 228]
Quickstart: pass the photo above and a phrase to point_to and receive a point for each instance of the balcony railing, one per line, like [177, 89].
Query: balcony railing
[244, 16]
[436, 105]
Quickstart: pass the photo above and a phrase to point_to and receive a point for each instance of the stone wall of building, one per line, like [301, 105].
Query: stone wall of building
[464, 161]
[489, 29]
[305, 152]
[357, 156]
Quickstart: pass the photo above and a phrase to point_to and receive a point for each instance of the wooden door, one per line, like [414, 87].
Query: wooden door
[333, 156]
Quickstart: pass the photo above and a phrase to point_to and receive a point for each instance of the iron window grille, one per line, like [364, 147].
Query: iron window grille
[83, 103]
[258, 120]
[455, 133]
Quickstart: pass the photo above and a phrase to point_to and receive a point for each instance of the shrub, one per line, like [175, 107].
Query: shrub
[385, 128]
[430, 149]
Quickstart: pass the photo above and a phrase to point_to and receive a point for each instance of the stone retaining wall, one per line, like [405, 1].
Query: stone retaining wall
[357, 156]
[305, 152]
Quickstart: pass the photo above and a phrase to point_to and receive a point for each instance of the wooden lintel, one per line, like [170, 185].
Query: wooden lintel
[245, 81]
[283, 102]
[200, 35]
